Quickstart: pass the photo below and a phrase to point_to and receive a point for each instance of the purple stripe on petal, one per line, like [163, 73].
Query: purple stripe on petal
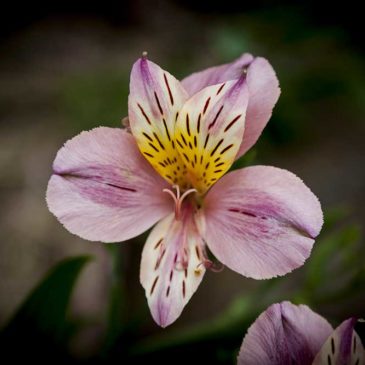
[145, 72]
[101, 184]
[263, 87]
[343, 346]
[264, 92]
[261, 221]
[285, 334]
[216, 75]
[103, 189]
[264, 208]
[155, 99]
[346, 340]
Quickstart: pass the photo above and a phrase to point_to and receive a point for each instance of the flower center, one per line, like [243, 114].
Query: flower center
[185, 214]
[178, 199]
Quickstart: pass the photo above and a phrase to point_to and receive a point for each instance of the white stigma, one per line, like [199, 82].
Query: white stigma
[177, 198]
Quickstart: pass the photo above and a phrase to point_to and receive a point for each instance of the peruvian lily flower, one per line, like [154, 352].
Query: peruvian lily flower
[287, 334]
[109, 185]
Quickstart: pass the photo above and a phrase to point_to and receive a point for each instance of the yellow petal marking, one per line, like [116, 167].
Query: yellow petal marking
[159, 148]
[207, 143]
[154, 103]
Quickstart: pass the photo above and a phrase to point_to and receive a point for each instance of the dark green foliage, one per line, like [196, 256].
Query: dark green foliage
[41, 328]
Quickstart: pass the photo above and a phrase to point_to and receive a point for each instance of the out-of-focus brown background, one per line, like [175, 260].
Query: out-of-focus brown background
[65, 69]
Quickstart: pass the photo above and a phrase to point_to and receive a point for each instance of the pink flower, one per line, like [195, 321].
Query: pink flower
[288, 334]
[109, 185]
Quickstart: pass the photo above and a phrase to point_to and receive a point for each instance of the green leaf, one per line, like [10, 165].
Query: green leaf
[40, 324]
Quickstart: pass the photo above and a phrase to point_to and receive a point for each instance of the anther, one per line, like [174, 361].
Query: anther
[126, 124]
[209, 265]
[215, 267]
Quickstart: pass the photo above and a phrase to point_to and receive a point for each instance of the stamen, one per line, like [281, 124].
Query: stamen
[208, 264]
[177, 188]
[204, 260]
[187, 192]
[214, 266]
[168, 191]
[178, 200]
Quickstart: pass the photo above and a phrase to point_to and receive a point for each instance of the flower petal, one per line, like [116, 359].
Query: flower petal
[284, 334]
[343, 347]
[209, 131]
[216, 75]
[264, 90]
[155, 100]
[261, 221]
[169, 284]
[263, 87]
[102, 188]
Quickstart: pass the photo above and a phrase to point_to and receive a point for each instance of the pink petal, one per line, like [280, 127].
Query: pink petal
[102, 188]
[209, 131]
[263, 87]
[216, 75]
[155, 100]
[168, 285]
[342, 347]
[261, 221]
[264, 91]
[284, 334]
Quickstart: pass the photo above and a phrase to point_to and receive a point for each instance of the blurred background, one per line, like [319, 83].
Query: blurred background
[64, 68]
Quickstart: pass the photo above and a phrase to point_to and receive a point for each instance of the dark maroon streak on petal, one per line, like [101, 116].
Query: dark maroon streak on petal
[269, 215]
[216, 117]
[168, 88]
[123, 188]
[101, 184]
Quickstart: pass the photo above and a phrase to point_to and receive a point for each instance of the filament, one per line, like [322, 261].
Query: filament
[178, 200]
